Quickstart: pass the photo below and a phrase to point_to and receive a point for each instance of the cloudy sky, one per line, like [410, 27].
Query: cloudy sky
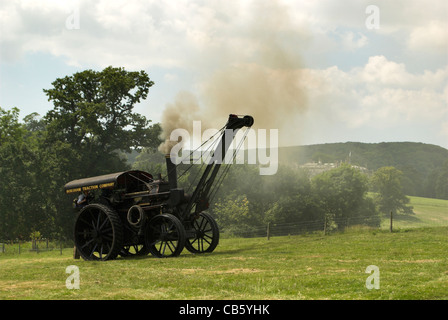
[319, 71]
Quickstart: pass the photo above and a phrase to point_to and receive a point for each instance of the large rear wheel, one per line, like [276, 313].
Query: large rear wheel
[98, 232]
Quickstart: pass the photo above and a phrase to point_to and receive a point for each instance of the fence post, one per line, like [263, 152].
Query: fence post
[391, 219]
[325, 225]
[268, 231]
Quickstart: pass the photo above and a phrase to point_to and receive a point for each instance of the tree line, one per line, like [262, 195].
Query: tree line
[91, 130]
[424, 166]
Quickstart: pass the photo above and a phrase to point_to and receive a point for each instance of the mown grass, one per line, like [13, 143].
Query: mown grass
[427, 212]
[413, 264]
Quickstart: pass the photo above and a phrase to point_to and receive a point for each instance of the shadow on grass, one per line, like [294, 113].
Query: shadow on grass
[406, 218]
[187, 254]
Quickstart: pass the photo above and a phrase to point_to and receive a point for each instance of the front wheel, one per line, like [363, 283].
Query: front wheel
[165, 236]
[206, 234]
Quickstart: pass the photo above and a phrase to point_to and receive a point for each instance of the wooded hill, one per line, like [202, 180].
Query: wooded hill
[424, 166]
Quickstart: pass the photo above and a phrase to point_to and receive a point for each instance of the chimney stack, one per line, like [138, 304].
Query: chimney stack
[171, 172]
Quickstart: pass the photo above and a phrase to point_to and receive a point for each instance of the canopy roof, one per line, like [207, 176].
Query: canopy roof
[108, 181]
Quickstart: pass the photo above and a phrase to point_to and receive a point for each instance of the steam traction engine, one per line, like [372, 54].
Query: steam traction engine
[134, 214]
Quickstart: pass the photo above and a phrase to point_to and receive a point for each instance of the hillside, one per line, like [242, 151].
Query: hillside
[419, 162]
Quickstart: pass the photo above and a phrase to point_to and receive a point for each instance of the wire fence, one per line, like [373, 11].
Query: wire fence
[391, 223]
[16, 246]
[272, 229]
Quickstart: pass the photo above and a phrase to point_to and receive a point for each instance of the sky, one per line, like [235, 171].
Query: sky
[318, 71]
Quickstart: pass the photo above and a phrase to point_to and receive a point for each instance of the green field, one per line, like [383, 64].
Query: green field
[412, 263]
[428, 213]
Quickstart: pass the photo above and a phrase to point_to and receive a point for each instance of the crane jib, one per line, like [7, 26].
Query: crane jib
[200, 197]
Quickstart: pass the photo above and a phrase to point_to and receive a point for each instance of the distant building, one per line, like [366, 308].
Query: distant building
[315, 168]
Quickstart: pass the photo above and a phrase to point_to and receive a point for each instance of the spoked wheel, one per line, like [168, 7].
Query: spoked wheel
[206, 235]
[165, 236]
[98, 233]
[134, 250]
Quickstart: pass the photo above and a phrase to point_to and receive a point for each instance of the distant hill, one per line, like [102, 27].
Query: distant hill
[417, 161]
[424, 166]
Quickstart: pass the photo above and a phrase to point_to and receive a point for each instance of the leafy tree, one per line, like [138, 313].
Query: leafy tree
[290, 197]
[342, 195]
[234, 215]
[93, 114]
[10, 128]
[387, 182]
[18, 177]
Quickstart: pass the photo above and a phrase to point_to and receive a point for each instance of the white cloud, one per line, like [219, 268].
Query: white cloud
[201, 37]
[381, 94]
[168, 33]
[432, 36]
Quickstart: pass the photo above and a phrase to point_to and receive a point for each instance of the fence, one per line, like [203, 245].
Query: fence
[390, 223]
[269, 230]
[41, 245]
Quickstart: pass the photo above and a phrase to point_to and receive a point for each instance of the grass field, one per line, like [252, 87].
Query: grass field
[412, 263]
[427, 213]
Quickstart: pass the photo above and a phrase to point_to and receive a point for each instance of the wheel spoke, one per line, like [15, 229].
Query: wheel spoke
[164, 247]
[103, 224]
[93, 250]
[98, 221]
[106, 230]
[172, 247]
[87, 243]
[208, 236]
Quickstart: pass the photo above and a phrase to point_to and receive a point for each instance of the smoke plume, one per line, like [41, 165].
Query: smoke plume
[259, 72]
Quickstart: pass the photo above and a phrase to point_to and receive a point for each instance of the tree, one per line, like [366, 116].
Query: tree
[387, 182]
[10, 128]
[233, 214]
[20, 195]
[342, 195]
[436, 184]
[93, 114]
[85, 134]
[290, 197]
